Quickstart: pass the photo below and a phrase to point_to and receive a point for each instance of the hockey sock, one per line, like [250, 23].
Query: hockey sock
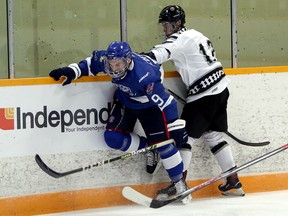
[220, 148]
[224, 156]
[186, 155]
[172, 161]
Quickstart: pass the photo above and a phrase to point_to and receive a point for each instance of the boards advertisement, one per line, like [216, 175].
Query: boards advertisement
[48, 119]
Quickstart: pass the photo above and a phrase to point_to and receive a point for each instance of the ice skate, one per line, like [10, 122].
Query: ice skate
[174, 189]
[232, 186]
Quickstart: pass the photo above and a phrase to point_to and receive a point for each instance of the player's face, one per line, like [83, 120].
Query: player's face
[171, 27]
[117, 65]
[117, 68]
[168, 28]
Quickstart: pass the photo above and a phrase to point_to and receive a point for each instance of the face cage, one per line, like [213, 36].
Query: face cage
[119, 73]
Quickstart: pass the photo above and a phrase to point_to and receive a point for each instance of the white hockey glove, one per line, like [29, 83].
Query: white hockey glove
[178, 132]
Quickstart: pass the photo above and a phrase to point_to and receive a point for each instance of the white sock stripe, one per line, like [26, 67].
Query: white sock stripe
[76, 70]
[186, 156]
[88, 60]
[172, 161]
[135, 143]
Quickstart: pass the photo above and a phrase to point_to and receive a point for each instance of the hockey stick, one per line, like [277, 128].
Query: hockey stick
[247, 143]
[55, 174]
[253, 144]
[141, 199]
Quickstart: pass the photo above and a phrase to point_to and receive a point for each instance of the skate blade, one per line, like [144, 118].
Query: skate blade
[234, 193]
[185, 200]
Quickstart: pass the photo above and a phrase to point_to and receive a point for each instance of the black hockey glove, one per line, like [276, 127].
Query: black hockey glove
[66, 72]
[178, 132]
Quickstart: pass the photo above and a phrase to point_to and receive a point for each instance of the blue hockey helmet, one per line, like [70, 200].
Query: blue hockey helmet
[118, 59]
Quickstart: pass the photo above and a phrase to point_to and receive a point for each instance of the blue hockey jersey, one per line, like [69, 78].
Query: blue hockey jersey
[140, 88]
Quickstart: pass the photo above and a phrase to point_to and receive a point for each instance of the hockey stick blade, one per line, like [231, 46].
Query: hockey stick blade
[51, 172]
[55, 174]
[141, 199]
[253, 144]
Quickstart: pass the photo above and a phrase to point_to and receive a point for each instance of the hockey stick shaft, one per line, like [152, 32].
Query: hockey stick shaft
[176, 96]
[159, 203]
[55, 174]
[256, 144]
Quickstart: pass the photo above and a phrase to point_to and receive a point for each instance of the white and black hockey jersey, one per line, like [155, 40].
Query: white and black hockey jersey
[195, 59]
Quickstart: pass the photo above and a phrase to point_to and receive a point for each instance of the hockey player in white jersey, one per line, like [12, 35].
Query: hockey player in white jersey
[205, 110]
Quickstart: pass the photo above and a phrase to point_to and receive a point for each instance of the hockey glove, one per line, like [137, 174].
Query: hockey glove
[178, 132]
[66, 72]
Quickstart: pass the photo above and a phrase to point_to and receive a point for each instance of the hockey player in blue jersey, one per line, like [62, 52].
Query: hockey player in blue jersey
[139, 95]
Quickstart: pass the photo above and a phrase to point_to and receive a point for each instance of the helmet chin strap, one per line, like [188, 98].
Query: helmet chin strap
[175, 29]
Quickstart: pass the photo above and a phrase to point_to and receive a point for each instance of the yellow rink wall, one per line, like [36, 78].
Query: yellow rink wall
[111, 196]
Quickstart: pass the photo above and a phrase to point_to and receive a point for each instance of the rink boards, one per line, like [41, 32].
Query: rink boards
[65, 125]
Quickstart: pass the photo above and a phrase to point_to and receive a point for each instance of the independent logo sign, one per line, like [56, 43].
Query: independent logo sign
[7, 118]
[67, 120]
